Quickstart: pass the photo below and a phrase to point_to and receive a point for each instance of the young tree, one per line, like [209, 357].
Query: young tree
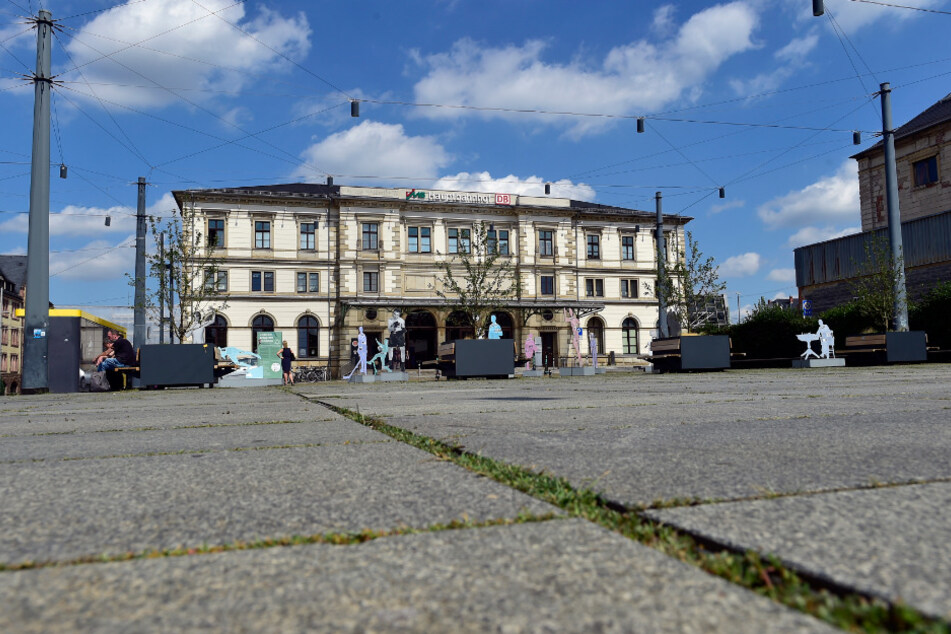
[686, 284]
[191, 284]
[877, 278]
[478, 279]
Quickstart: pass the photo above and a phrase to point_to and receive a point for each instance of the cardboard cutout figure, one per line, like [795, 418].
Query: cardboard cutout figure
[495, 330]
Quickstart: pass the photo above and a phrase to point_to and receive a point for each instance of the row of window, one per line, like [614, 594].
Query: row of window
[419, 239]
[10, 336]
[10, 364]
[263, 281]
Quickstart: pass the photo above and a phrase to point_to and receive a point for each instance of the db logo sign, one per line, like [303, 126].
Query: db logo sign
[503, 199]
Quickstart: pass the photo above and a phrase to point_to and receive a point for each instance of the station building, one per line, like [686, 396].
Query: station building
[317, 261]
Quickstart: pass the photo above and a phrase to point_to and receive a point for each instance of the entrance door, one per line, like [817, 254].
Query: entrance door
[420, 337]
[549, 349]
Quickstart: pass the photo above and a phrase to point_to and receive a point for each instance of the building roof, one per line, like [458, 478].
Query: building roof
[13, 269]
[323, 191]
[937, 114]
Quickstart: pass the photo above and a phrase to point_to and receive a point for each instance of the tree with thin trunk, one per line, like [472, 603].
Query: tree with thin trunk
[877, 279]
[686, 285]
[478, 279]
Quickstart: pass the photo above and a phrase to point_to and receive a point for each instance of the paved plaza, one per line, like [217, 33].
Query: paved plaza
[842, 473]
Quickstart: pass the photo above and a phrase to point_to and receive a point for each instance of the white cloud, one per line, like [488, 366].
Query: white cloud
[733, 204]
[791, 58]
[740, 265]
[782, 275]
[831, 200]
[531, 186]
[373, 149]
[633, 78]
[809, 235]
[76, 220]
[663, 23]
[178, 44]
[95, 261]
[852, 15]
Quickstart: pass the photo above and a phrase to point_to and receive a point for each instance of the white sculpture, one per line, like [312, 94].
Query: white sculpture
[826, 342]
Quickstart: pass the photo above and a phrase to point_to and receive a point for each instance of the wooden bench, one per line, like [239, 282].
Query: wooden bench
[119, 377]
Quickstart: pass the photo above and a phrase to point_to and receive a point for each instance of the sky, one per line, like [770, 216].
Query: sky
[758, 97]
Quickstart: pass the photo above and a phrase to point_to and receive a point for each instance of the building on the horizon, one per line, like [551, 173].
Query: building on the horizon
[317, 261]
[825, 270]
[12, 296]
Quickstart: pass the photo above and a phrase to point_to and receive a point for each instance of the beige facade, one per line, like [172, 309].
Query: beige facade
[316, 262]
[12, 295]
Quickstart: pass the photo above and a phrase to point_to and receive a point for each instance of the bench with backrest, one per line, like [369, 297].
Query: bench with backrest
[891, 347]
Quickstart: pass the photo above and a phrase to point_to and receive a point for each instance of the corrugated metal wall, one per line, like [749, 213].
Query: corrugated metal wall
[925, 241]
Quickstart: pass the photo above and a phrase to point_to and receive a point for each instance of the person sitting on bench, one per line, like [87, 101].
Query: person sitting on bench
[123, 353]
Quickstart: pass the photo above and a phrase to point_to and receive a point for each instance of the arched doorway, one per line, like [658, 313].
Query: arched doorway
[217, 332]
[420, 337]
[596, 328]
[629, 341]
[457, 327]
[261, 323]
[505, 321]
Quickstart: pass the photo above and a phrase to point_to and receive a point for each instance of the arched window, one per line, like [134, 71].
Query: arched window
[457, 327]
[308, 337]
[261, 323]
[217, 332]
[596, 328]
[629, 336]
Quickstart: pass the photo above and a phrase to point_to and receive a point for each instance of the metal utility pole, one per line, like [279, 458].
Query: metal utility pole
[36, 324]
[161, 296]
[138, 327]
[170, 267]
[900, 311]
[661, 262]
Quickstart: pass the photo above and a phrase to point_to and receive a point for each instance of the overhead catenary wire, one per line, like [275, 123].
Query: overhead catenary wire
[903, 6]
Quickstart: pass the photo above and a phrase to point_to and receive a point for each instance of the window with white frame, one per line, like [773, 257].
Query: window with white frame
[629, 336]
[216, 280]
[419, 239]
[262, 281]
[262, 234]
[308, 282]
[308, 236]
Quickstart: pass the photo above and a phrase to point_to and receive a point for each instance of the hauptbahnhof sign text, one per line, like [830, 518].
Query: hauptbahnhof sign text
[477, 198]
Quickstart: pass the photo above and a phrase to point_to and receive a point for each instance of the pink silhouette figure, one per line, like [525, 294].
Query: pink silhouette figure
[530, 350]
[572, 318]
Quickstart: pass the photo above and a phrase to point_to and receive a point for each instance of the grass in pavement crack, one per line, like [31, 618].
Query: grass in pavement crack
[333, 539]
[765, 575]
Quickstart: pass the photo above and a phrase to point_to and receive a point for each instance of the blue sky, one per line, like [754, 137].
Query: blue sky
[757, 96]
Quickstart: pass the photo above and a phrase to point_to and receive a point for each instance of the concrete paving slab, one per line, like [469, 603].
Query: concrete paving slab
[890, 542]
[56, 510]
[646, 462]
[565, 576]
[57, 413]
[71, 446]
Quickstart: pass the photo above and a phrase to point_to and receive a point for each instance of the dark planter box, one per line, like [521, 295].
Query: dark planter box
[906, 347]
[701, 352]
[489, 358]
[174, 365]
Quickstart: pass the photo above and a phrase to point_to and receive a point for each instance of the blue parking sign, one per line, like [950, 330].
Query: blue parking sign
[807, 308]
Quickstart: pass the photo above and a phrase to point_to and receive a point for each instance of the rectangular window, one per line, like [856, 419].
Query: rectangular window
[547, 284]
[420, 240]
[216, 232]
[460, 240]
[308, 241]
[498, 241]
[594, 287]
[546, 243]
[926, 171]
[216, 281]
[594, 247]
[629, 288]
[262, 281]
[371, 282]
[627, 247]
[262, 234]
[308, 282]
[371, 232]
